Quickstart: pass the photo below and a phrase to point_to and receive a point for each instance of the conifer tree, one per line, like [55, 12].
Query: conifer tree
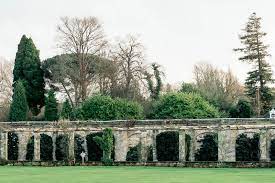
[66, 112]
[255, 52]
[19, 106]
[27, 68]
[51, 111]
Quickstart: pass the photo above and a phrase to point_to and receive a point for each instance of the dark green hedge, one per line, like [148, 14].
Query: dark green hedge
[168, 146]
[209, 148]
[46, 147]
[105, 108]
[182, 105]
[247, 149]
[12, 146]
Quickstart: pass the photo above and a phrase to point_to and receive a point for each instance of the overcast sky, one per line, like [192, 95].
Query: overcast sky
[176, 33]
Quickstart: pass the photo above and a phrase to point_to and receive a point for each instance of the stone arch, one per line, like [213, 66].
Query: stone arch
[46, 147]
[207, 146]
[248, 146]
[167, 145]
[62, 147]
[13, 142]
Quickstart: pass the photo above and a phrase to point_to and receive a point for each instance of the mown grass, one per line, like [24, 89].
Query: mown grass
[133, 175]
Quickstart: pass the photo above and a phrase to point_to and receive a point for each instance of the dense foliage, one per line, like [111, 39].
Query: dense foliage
[51, 110]
[208, 150]
[27, 68]
[30, 149]
[19, 106]
[105, 108]
[272, 150]
[12, 146]
[46, 148]
[134, 153]
[243, 109]
[247, 149]
[78, 147]
[67, 110]
[168, 146]
[62, 148]
[183, 105]
[95, 153]
[106, 144]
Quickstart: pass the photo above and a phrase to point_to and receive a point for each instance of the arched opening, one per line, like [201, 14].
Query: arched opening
[62, 148]
[248, 149]
[78, 147]
[168, 146]
[208, 150]
[46, 147]
[94, 151]
[12, 146]
[272, 150]
[30, 149]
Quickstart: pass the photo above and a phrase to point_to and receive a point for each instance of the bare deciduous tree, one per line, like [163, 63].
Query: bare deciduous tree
[5, 82]
[129, 54]
[219, 87]
[81, 37]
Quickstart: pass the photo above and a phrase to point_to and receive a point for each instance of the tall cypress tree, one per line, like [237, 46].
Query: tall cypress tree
[51, 111]
[67, 110]
[28, 69]
[19, 106]
[255, 53]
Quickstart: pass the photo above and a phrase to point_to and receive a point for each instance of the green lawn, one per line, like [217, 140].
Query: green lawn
[133, 175]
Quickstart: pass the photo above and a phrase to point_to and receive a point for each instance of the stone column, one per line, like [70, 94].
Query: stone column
[121, 145]
[4, 146]
[143, 148]
[23, 139]
[71, 145]
[192, 147]
[264, 148]
[36, 155]
[85, 147]
[181, 145]
[154, 145]
[227, 145]
[54, 145]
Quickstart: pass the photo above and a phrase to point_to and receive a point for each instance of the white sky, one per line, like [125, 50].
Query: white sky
[176, 33]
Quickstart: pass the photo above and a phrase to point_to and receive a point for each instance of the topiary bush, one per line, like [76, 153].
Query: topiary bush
[30, 149]
[168, 146]
[46, 147]
[272, 150]
[12, 146]
[182, 105]
[134, 153]
[248, 149]
[105, 108]
[208, 150]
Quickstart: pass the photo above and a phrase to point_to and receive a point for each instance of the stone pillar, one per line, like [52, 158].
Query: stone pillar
[23, 139]
[181, 145]
[154, 145]
[143, 148]
[227, 145]
[71, 145]
[121, 145]
[54, 145]
[4, 146]
[192, 147]
[36, 155]
[85, 147]
[264, 145]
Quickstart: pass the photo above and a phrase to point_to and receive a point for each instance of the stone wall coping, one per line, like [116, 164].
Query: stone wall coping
[132, 123]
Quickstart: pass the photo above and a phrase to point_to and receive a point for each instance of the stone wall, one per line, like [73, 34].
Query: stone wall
[130, 133]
